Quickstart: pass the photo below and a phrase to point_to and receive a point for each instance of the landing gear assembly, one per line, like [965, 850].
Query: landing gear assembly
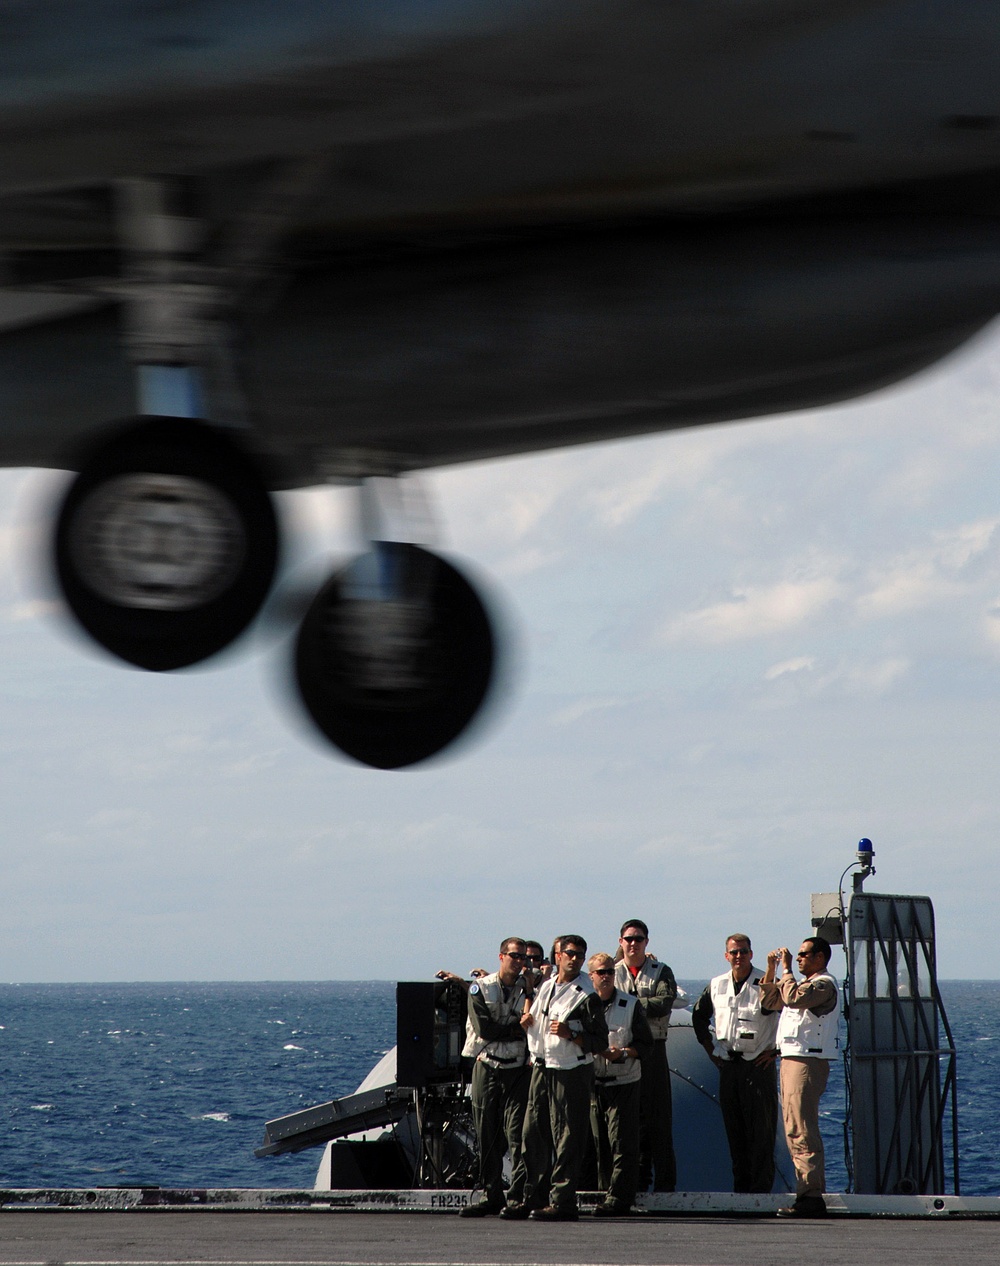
[166, 544]
[165, 549]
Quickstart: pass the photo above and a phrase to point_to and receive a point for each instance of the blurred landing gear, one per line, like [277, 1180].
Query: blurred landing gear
[395, 656]
[167, 543]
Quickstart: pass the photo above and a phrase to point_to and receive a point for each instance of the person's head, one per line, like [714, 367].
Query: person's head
[512, 958]
[739, 955]
[535, 953]
[633, 939]
[813, 956]
[602, 975]
[570, 951]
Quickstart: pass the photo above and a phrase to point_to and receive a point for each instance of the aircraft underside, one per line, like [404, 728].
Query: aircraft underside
[257, 252]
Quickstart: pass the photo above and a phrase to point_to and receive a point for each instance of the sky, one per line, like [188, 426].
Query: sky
[732, 652]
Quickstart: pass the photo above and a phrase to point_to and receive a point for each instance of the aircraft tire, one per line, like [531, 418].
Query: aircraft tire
[384, 708]
[167, 543]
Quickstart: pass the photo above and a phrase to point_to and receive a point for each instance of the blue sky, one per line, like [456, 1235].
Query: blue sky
[734, 651]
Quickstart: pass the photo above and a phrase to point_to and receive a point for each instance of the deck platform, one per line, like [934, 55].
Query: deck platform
[146, 1226]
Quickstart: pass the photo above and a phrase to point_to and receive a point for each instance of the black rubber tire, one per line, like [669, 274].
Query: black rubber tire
[165, 639]
[452, 669]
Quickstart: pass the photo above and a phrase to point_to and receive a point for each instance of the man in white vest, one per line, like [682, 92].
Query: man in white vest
[807, 1041]
[654, 985]
[739, 1035]
[614, 1113]
[565, 1028]
[499, 1075]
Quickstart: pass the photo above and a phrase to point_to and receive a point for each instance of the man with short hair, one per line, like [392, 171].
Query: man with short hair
[743, 1049]
[614, 1114]
[499, 1075]
[538, 964]
[565, 1027]
[654, 985]
[807, 1041]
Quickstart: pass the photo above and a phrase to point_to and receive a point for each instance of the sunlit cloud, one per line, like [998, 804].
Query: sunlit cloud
[584, 707]
[876, 678]
[32, 609]
[798, 665]
[937, 572]
[755, 611]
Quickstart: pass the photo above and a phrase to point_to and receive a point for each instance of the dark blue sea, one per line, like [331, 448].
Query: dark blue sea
[170, 1084]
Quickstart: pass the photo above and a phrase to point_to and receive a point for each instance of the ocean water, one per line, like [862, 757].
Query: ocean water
[170, 1084]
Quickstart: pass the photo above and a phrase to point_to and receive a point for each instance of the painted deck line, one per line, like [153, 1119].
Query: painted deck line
[276, 1200]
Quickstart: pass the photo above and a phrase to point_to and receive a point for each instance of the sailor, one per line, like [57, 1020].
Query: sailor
[807, 1041]
[500, 1075]
[743, 1049]
[654, 985]
[538, 964]
[565, 1027]
[614, 1113]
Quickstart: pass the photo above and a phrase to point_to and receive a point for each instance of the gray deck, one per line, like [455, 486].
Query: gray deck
[267, 1236]
[319, 1237]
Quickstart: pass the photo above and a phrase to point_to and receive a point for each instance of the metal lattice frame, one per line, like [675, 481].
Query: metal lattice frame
[902, 1075]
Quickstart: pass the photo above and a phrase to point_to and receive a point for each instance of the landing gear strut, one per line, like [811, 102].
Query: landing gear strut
[167, 542]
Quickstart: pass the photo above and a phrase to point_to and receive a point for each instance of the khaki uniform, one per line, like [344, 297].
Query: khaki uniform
[804, 1068]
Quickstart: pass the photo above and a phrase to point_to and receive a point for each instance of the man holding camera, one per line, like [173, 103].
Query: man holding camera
[807, 1041]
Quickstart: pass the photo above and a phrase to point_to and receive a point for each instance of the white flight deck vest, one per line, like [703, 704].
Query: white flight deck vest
[803, 1034]
[555, 1002]
[498, 1054]
[740, 1025]
[619, 1012]
[643, 986]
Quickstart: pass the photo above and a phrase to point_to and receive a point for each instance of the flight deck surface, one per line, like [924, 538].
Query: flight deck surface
[326, 1238]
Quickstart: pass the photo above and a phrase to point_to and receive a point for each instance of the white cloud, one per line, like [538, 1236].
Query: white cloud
[878, 677]
[755, 611]
[525, 561]
[935, 572]
[584, 707]
[33, 609]
[801, 664]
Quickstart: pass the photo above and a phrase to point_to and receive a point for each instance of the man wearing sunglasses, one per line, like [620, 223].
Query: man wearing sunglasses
[566, 1028]
[743, 1047]
[807, 1041]
[539, 966]
[499, 1075]
[614, 1112]
[654, 985]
